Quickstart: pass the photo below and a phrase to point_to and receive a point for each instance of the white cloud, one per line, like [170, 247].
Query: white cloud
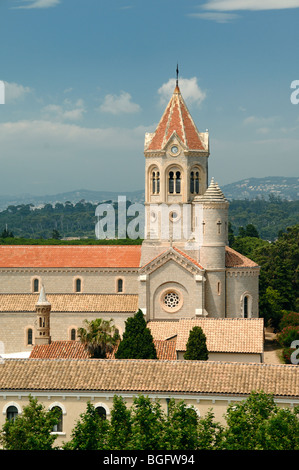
[234, 5]
[119, 104]
[192, 93]
[219, 17]
[38, 4]
[15, 91]
[68, 112]
[256, 120]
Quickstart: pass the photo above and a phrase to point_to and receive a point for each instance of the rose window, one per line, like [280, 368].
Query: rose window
[171, 300]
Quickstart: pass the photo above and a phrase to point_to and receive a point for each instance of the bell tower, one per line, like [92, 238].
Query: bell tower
[176, 171]
[43, 309]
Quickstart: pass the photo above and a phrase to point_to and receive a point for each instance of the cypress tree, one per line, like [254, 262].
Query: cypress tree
[137, 342]
[196, 345]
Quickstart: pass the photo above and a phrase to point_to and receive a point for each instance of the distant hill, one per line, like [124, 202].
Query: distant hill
[286, 188]
[73, 196]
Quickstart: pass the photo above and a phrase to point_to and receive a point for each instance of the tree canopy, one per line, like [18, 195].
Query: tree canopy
[137, 341]
[99, 337]
[196, 348]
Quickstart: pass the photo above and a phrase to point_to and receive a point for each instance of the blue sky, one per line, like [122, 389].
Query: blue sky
[85, 79]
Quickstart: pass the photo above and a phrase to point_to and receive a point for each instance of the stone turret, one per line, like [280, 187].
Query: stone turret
[43, 309]
[214, 226]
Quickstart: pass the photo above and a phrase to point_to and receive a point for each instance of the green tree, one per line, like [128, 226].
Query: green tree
[120, 430]
[196, 348]
[99, 337]
[56, 234]
[258, 424]
[251, 231]
[148, 425]
[90, 431]
[210, 433]
[6, 234]
[181, 427]
[137, 341]
[31, 430]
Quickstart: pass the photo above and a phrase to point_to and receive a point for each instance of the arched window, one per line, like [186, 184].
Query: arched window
[73, 334]
[101, 412]
[36, 285]
[246, 303]
[155, 182]
[178, 182]
[245, 306]
[58, 427]
[171, 182]
[194, 182]
[29, 336]
[11, 413]
[78, 285]
[174, 182]
[120, 285]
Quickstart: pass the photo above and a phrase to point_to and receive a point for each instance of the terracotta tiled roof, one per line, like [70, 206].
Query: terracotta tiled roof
[59, 350]
[229, 335]
[188, 257]
[145, 376]
[75, 350]
[233, 259]
[176, 118]
[70, 256]
[71, 302]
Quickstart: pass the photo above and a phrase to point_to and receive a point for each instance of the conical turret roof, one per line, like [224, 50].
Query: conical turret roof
[42, 298]
[212, 194]
[176, 119]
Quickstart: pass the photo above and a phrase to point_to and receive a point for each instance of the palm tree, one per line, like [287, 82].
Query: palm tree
[99, 337]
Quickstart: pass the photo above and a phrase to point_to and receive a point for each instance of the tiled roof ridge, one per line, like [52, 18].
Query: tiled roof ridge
[175, 362]
[192, 260]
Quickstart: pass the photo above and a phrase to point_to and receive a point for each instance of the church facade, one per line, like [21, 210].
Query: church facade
[183, 269]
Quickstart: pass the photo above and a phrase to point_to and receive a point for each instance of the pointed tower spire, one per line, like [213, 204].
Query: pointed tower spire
[42, 300]
[177, 120]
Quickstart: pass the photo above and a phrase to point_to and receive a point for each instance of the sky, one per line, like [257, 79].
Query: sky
[85, 80]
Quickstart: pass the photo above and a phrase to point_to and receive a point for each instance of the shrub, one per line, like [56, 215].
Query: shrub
[289, 319]
[288, 335]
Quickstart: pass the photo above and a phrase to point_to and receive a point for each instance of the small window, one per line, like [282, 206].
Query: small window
[178, 182]
[78, 285]
[29, 336]
[73, 334]
[120, 285]
[36, 285]
[218, 287]
[11, 413]
[245, 306]
[101, 412]
[155, 182]
[58, 427]
[171, 182]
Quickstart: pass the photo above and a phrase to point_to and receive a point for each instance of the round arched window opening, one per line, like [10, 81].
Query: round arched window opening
[171, 300]
[101, 412]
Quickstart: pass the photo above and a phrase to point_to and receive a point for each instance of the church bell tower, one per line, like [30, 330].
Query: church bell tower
[176, 171]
